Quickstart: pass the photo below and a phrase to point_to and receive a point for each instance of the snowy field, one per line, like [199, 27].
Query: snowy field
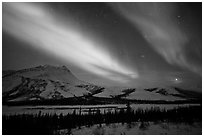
[138, 128]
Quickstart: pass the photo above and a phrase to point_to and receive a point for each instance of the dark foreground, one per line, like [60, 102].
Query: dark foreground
[41, 124]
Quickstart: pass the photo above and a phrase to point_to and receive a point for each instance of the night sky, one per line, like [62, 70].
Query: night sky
[112, 44]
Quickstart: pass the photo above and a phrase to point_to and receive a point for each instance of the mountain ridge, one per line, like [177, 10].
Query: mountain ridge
[48, 82]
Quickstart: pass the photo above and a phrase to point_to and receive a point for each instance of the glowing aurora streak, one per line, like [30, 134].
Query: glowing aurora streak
[34, 24]
[156, 22]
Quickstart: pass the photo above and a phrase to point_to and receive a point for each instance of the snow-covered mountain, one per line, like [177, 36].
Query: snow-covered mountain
[44, 82]
[55, 83]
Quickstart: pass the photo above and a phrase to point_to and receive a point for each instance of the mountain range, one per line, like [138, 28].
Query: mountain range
[48, 84]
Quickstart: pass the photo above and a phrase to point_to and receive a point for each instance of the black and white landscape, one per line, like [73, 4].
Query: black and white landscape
[102, 68]
[43, 92]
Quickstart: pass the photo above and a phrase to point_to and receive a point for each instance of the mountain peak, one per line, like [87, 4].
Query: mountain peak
[65, 68]
[52, 67]
[46, 72]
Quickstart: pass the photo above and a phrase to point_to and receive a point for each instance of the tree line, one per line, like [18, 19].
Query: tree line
[48, 123]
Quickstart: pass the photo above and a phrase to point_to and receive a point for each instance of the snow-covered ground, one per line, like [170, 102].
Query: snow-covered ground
[138, 128]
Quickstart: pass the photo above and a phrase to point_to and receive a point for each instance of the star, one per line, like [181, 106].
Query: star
[177, 80]
[142, 56]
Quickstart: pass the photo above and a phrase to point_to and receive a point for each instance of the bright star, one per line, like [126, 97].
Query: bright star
[177, 80]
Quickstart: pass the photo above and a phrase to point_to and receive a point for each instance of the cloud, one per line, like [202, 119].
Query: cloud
[157, 24]
[34, 24]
